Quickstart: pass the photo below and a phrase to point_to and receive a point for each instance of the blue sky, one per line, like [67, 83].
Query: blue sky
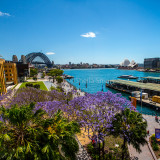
[94, 31]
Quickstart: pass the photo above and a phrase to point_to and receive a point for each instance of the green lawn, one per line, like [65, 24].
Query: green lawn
[42, 85]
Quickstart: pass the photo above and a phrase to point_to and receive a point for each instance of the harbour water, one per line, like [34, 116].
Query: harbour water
[94, 80]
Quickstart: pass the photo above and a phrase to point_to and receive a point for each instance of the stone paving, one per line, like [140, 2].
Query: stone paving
[82, 153]
[144, 155]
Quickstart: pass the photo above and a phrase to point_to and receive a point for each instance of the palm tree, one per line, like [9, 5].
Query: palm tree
[32, 135]
[18, 132]
[131, 127]
[59, 137]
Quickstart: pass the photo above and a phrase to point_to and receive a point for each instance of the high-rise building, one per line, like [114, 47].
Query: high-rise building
[70, 63]
[23, 59]
[2, 77]
[151, 63]
[14, 58]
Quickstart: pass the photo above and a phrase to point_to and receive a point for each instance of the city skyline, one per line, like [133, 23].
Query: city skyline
[90, 31]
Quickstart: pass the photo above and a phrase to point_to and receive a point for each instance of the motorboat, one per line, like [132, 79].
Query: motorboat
[127, 77]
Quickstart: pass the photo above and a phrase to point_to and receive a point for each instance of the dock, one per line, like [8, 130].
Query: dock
[130, 86]
[150, 80]
[148, 103]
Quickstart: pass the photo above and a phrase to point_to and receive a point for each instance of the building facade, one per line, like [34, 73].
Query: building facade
[10, 72]
[23, 59]
[2, 77]
[151, 63]
[14, 58]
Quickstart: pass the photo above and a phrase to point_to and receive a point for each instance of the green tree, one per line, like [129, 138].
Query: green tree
[32, 135]
[43, 75]
[59, 79]
[17, 134]
[55, 72]
[131, 126]
[61, 140]
[33, 72]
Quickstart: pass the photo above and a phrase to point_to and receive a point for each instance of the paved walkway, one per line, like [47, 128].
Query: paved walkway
[68, 87]
[146, 154]
[82, 153]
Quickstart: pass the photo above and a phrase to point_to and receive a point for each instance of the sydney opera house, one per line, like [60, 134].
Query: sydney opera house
[126, 64]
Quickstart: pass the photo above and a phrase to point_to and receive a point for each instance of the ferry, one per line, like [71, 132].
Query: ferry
[127, 77]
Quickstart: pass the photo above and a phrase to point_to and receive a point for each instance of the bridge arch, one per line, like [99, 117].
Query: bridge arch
[31, 56]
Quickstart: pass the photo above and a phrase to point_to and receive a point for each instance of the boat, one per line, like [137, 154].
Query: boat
[67, 76]
[127, 77]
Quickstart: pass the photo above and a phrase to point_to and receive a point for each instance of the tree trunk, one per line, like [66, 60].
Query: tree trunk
[124, 148]
[103, 148]
[99, 146]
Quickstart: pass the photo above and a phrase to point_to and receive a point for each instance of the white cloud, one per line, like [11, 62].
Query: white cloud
[4, 14]
[50, 53]
[89, 35]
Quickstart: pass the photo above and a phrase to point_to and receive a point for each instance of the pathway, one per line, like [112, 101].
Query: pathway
[82, 153]
[68, 87]
[146, 153]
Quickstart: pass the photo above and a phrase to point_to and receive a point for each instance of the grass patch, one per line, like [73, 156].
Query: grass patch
[42, 85]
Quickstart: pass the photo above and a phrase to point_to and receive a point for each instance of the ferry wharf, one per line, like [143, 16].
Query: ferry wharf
[129, 86]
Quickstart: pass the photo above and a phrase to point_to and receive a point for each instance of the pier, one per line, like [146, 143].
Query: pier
[150, 80]
[130, 86]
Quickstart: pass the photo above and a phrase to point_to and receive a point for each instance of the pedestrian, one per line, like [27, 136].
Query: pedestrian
[156, 118]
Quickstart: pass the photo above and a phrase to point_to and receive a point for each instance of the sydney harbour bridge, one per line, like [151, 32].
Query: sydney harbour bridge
[36, 58]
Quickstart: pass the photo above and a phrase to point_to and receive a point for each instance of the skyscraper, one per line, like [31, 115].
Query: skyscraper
[23, 59]
[14, 58]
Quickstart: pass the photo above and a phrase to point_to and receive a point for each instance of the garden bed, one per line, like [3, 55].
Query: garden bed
[155, 146]
[42, 85]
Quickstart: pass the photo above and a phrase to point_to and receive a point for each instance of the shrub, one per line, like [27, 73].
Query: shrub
[37, 86]
[155, 147]
[59, 89]
[29, 85]
[34, 78]
[154, 143]
[59, 79]
[52, 88]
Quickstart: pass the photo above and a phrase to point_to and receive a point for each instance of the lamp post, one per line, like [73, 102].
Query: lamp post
[141, 100]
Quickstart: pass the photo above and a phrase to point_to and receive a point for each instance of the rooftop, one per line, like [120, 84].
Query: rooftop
[158, 78]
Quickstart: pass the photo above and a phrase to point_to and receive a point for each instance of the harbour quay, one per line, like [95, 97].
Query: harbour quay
[152, 89]
[150, 80]
[130, 86]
